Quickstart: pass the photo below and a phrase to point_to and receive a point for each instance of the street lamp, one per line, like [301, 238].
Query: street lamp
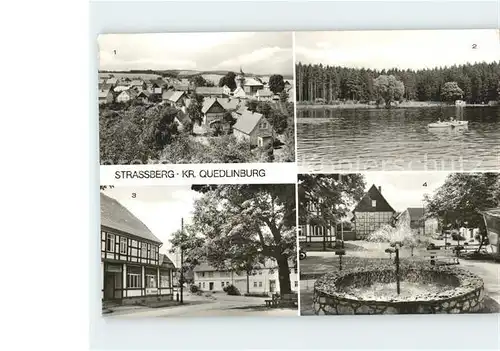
[396, 246]
[340, 253]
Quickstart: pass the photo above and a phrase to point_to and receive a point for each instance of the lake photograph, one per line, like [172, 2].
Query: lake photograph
[398, 100]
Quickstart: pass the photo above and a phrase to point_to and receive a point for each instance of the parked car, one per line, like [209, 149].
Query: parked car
[302, 254]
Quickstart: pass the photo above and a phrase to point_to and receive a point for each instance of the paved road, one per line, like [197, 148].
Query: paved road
[220, 305]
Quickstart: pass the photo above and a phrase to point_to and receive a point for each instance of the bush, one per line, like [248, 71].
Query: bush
[232, 290]
[257, 294]
[194, 288]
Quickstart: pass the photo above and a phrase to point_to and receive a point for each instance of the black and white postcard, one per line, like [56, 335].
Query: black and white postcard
[200, 250]
[399, 243]
[180, 98]
[400, 100]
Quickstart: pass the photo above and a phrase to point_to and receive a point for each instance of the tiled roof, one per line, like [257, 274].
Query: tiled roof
[229, 104]
[175, 96]
[103, 93]
[208, 103]
[209, 90]
[166, 262]
[247, 122]
[144, 92]
[252, 82]
[381, 205]
[112, 81]
[416, 213]
[136, 82]
[114, 215]
[166, 94]
[183, 87]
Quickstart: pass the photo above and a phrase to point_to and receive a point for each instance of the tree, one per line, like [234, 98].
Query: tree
[325, 198]
[451, 92]
[233, 225]
[229, 80]
[283, 97]
[199, 81]
[160, 128]
[194, 109]
[388, 89]
[252, 105]
[276, 83]
[461, 199]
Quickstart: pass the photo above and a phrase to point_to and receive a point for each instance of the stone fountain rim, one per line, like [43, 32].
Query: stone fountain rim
[468, 283]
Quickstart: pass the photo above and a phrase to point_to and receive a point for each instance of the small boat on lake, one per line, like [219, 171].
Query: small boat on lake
[448, 124]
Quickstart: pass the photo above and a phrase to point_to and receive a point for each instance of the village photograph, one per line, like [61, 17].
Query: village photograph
[182, 98]
[411, 100]
[199, 250]
[399, 243]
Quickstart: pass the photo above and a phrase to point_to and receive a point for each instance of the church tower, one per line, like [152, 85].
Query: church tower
[240, 79]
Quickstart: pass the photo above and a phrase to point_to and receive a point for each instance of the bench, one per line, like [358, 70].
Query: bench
[273, 302]
[289, 300]
[442, 257]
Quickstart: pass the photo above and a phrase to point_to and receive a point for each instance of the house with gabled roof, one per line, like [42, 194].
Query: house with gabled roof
[251, 86]
[213, 112]
[138, 84]
[143, 95]
[126, 95]
[264, 279]
[372, 212]
[418, 221]
[175, 98]
[105, 95]
[132, 269]
[254, 128]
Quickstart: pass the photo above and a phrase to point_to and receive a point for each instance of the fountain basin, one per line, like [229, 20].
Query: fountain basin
[424, 289]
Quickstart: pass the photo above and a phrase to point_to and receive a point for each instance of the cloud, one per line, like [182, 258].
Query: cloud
[264, 52]
[413, 49]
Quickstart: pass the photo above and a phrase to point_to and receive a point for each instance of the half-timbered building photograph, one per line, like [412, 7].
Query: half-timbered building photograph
[190, 250]
[399, 243]
[214, 98]
[134, 272]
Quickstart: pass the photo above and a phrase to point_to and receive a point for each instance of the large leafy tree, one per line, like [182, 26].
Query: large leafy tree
[229, 79]
[451, 91]
[276, 83]
[235, 226]
[388, 88]
[462, 198]
[330, 195]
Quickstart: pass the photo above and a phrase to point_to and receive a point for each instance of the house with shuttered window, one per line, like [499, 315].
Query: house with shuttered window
[132, 268]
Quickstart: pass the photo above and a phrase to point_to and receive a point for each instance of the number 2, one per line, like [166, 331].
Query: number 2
[474, 46]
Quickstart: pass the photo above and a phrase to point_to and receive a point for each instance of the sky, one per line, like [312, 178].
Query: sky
[258, 53]
[405, 189]
[414, 49]
[160, 208]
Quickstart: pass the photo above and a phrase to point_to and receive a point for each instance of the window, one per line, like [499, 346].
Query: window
[254, 284]
[260, 284]
[150, 281]
[227, 283]
[123, 246]
[199, 285]
[222, 284]
[202, 274]
[133, 280]
[149, 251]
[374, 203]
[203, 285]
[260, 272]
[263, 125]
[210, 274]
[165, 280]
[296, 283]
[144, 250]
[110, 242]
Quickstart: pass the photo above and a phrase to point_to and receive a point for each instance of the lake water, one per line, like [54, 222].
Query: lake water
[330, 140]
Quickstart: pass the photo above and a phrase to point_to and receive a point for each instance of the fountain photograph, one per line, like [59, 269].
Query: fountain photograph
[399, 243]
[398, 100]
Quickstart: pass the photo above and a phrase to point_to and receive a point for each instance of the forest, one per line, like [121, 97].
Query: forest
[479, 83]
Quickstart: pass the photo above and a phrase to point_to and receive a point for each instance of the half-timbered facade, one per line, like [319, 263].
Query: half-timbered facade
[312, 233]
[371, 213]
[132, 268]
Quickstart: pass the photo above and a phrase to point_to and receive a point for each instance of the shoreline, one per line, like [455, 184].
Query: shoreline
[422, 104]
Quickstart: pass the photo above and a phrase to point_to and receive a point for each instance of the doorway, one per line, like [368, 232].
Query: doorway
[211, 286]
[272, 286]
